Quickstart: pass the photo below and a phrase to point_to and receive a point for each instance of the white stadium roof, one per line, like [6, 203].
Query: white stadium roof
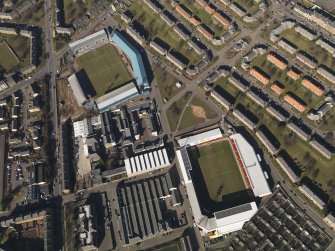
[200, 138]
[254, 170]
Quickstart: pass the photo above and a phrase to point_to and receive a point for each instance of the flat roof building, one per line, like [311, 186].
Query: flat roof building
[305, 31]
[244, 119]
[322, 149]
[287, 45]
[301, 130]
[174, 60]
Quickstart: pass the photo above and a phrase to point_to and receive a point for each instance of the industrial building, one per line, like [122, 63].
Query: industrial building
[144, 208]
[147, 162]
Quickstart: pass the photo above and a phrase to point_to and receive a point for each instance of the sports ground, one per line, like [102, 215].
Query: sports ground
[105, 69]
[216, 176]
[220, 170]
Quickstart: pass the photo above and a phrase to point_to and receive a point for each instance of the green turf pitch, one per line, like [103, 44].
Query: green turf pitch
[220, 170]
[105, 69]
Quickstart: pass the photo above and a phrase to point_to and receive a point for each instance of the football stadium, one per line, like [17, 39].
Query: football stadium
[111, 60]
[223, 177]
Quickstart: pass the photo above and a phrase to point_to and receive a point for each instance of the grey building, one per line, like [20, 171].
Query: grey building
[323, 150]
[299, 129]
[307, 59]
[287, 169]
[268, 142]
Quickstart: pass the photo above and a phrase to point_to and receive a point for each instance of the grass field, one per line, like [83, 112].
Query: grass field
[21, 47]
[220, 170]
[156, 28]
[197, 112]
[105, 69]
[174, 112]
[8, 59]
[249, 5]
[166, 82]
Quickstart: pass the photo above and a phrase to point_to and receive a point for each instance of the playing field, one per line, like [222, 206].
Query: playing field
[7, 59]
[220, 170]
[105, 69]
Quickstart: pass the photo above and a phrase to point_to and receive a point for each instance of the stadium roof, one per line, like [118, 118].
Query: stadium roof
[251, 164]
[200, 138]
[232, 219]
[134, 55]
[117, 96]
[76, 88]
[86, 41]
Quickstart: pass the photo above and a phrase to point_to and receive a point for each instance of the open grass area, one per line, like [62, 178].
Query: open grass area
[76, 9]
[8, 58]
[205, 17]
[166, 83]
[20, 46]
[296, 87]
[34, 16]
[104, 68]
[220, 170]
[310, 47]
[157, 29]
[195, 113]
[174, 112]
[249, 5]
[328, 122]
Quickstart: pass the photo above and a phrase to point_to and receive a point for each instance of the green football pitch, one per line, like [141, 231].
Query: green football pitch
[220, 170]
[105, 69]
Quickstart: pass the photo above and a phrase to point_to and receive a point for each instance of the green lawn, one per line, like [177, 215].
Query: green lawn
[8, 59]
[76, 9]
[156, 28]
[166, 82]
[105, 69]
[192, 118]
[295, 87]
[34, 16]
[173, 113]
[249, 5]
[310, 47]
[21, 47]
[220, 170]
